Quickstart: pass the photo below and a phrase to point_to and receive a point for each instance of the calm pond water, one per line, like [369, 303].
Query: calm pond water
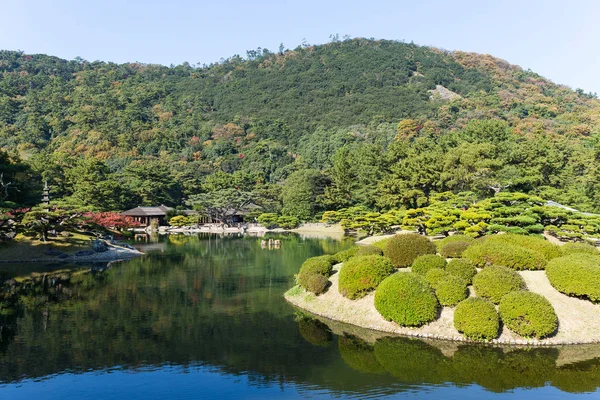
[204, 317]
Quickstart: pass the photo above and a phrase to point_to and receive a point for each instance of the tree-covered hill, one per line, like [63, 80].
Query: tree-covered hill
[320, 127]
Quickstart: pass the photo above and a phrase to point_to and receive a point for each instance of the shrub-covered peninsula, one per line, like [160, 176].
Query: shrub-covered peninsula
[503, 288]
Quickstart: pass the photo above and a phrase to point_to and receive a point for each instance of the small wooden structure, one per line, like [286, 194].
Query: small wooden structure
[145, 215]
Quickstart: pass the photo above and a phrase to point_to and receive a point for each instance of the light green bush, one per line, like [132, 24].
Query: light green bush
[477, 319]
[528, 314]
[490, 252]
[344, 255]
[576, 275]
[361, 274]
[573, 248]
[451, 290]
[454, 249]
[368, 251]
[314, 266]
[406, 299]
[462, 268]
[433, 276]
[453, 239]
[534, 243]
[424, 263]
[495, 282]
[403, 249]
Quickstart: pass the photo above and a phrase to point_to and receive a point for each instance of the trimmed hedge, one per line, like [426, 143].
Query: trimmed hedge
[369, 251]
[454, 250]
[451, 290]
[528, 314]
[361, 274]
[577, 248]
[317, 283]
[477, 319]
[576, 275]
[489, 252]
[406, 299]
[495, 282]
[315, 266]
[453, 239]
[433, 276]
[534, 243]
[404, 249]
[422, 264]
[344, 255]
[382, 244]
[462, 268]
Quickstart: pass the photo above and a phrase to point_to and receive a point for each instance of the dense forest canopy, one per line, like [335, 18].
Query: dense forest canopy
[376, 123]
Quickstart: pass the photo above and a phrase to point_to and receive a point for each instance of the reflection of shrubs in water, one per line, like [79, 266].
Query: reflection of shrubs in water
[314, 331]
[410, 360]
[580, 378]
[359, 355]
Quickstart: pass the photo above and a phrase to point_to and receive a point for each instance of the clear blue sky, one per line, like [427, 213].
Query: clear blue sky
[555, 38]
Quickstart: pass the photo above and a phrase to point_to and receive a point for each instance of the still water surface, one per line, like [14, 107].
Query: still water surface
[203, 317]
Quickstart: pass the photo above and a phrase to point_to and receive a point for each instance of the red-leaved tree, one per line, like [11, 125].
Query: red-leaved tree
[112, 220]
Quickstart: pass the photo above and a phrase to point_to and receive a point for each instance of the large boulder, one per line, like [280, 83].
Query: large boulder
[99, 246]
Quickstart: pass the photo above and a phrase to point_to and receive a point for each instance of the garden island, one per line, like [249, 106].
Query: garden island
[511, 286]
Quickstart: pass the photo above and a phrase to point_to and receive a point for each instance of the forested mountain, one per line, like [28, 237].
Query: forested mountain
[377, 123]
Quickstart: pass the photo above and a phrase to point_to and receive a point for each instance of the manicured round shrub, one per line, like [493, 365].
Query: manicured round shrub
[382, 244]
[433, 276]
[489, 252]
[576, 275]
[575, 248]
[454, 249]
[477, 319]
[451, 290]
[494, 282]
[314, 266]
[534, 243]
[361, 274]
[317, 283]
[528, 314]
[344, 255]
[462, 268]
[406, 299]
[403, 249]
[422, 264]
[453, 239]
[369, 251]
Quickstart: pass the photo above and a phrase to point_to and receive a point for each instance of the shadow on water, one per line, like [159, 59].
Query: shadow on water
[217, 301]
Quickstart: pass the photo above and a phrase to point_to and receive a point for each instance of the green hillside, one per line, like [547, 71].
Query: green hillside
[377, 123]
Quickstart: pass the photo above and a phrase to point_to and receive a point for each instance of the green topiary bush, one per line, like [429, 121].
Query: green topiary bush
[404, 249]
[433, 276]
[576, 275]
[317, 283]
[477, 319]
[534, 243]
[462, 268]
[406, 299]
[453, 239]
[451, 290]
[361, 274]
[344, 255]
[489, 252]
[494, 282]
[422, 264]
[368, 251]
[528, 314]
[382, 244]
[314, 266]
[576, 248]
[454, 249]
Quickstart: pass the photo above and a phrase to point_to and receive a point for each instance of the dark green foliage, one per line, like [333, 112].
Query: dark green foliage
[344, 255]
[486, 253]
[359, 355]
[369, 250]
[321, 265]
[574, 248]
[477, 319]
[494, 282]
[406, 299]
[462, 268]
[576, 274]
[287, 222]
[454, 249]
[424, 263]
[314, 331]
[434, 275]
[528, 314]
[404, 249]
[451, 290]
[362, 274]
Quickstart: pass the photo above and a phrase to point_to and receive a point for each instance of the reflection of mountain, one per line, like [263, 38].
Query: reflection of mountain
[418, 362]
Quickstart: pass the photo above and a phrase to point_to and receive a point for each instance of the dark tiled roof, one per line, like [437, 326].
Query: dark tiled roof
[147, 211]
